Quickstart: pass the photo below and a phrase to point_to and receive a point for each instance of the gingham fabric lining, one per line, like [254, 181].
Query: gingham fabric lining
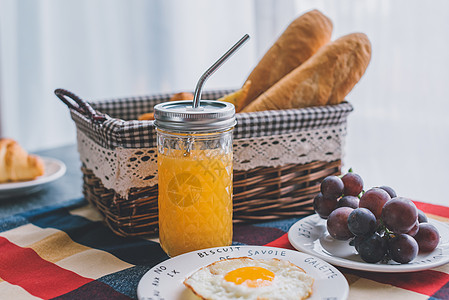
[277, 122]
[121, 129]
[130, 108]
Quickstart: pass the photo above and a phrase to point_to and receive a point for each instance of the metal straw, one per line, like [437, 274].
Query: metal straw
[213, 68]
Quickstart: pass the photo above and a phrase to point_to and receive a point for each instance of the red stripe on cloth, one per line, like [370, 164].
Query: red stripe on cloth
[25, 268]
[424, 282]
[281, 242]
[434, 209]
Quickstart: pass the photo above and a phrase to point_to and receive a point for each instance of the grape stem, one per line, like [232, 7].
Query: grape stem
[361, 194]
[384, 231]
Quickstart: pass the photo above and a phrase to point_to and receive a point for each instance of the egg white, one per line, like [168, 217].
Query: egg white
[290, 281]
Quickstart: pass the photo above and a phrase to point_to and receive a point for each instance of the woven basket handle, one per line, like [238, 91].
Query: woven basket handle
[79, 105]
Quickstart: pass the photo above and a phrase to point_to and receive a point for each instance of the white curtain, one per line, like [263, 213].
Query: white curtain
[398, 134]
[114, 48]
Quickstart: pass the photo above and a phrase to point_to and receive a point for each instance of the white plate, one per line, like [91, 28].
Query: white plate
[310, 235]
[54, 169]
[165, 281]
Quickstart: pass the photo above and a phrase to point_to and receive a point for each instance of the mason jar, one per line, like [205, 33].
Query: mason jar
[195, 173]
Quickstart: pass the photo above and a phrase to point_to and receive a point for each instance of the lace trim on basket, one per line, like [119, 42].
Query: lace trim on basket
[297, 147]
[122, 169]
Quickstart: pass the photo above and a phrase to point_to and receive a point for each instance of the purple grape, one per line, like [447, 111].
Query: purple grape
[373, 248]
[348, 201]
[414, 230]
[422, 218]
[389, 190]
[402, 248]
[427, 237]
[362, 222]
[332, 187]
[353, 184]
[323, 206]
[399, 214]
[356, 241]
[337, 223]
[374, 199]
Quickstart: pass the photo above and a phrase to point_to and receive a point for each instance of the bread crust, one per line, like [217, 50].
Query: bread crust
[181, 96]
[300, 40]
[326, 78]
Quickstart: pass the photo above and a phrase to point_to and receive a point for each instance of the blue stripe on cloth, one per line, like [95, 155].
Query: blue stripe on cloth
[12, 222]
[18, 220]
[442, 293]
[126, 281]
[283, 224]
[94, 290]
[96, 235]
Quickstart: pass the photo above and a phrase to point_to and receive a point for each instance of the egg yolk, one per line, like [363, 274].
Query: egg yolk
[250, 276]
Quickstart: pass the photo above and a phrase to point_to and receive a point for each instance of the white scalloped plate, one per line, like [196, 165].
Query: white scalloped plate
[165, 280]
[310, 235]
[54, 169]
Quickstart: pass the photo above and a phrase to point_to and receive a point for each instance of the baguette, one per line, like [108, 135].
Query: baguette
[300, 40]
[181, 96]
[326, 78]
[16, 164]
[238, 96]
[146, 116]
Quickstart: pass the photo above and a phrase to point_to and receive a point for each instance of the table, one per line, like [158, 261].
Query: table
[53, 244]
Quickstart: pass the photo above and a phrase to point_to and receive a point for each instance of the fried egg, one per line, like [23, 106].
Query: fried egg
[247, 278]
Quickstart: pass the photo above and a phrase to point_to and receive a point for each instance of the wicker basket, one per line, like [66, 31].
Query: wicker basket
[260, 194]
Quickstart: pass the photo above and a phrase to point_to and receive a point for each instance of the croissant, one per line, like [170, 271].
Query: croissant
[16, 164]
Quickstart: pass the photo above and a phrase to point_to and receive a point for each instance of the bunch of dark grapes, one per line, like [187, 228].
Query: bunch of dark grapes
[379, 224]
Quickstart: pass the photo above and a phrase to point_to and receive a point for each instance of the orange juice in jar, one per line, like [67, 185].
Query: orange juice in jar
[195, 175]
[195, 200]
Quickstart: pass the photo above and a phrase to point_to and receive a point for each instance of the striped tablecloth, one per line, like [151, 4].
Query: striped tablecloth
[66, 252]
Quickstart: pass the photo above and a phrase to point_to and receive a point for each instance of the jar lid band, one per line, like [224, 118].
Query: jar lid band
[180, 116]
